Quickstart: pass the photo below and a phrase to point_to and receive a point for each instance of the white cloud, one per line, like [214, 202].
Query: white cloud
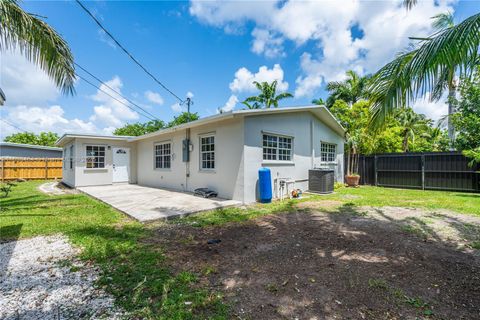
[176, 107]
[243, 81]
[37, 119]
[113, 110]
[154, 97]
[23, 82]
[230, 104]
[190, 95]
[265, 42]
[432, 109]
[381, 29]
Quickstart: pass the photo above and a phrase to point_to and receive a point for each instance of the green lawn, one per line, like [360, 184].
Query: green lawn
[467, 203]
[135, 273]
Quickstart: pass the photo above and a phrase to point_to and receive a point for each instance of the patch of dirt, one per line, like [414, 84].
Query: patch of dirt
[328, 266]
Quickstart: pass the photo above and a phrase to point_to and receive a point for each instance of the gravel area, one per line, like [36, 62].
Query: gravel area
[40, 278]
[56, 188]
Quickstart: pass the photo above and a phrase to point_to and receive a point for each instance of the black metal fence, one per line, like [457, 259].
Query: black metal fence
[427, 171]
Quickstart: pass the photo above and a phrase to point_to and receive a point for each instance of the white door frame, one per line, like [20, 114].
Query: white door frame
[118, 174]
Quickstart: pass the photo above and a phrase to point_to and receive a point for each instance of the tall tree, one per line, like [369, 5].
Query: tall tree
[350, 90]
[42, 139]
[38, 42]
[410, 122]
[467, 117]
[267, 97]
[426, 68]
[184, 117]
[138, 128]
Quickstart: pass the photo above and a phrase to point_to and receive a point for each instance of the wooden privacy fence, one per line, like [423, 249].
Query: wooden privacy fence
[427, 171]
[30, 168]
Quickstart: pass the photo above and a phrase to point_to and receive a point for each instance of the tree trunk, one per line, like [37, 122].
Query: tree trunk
[405, 142]
[451, 110]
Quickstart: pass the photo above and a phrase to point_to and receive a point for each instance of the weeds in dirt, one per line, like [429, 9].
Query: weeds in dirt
[272, 287]
[475, 245]
[377, 283]
[400, 296]
[207, 270]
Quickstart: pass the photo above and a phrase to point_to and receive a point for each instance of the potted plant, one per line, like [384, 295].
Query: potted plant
[352, 177]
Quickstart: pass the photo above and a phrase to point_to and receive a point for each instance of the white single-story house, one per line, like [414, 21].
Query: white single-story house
[222, 152]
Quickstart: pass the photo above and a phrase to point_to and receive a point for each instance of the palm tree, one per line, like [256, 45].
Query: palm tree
[268, 96]
[319, 102]
[38, 42]
[429, 67]
[351, 90]
[410, 122]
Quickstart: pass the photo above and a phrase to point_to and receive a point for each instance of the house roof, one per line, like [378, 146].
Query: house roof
[320, 111]
[30, 146]
[70, 136]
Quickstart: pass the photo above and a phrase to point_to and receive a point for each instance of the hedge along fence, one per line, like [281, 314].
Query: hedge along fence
[427, 171]
[30, 168]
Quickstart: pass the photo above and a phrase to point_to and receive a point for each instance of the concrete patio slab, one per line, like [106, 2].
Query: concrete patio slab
[148, 204]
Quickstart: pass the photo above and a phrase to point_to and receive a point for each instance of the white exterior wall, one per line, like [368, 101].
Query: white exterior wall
[83, 176]
[226, 179]
[307, 132]
[68, 175]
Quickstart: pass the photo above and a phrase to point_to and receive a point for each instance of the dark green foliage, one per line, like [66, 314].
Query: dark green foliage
[467, 116]
[138, 128]
[42, 139]
[184, 117]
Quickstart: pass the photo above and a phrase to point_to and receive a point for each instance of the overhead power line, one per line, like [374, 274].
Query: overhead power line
[126, 51]
[108, 94]
[13, 125]
[109, 87]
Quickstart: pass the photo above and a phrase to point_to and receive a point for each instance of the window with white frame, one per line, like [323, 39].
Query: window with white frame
[65, 158]
[72, 155]
[276, 147]
[207, 152]
[95, 157]
[163, 155]
[328, 152]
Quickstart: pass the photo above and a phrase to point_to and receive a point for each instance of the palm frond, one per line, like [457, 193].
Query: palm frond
[38, 42]
[443, 21]
[283, 95]
[409, 4]
[423, 69]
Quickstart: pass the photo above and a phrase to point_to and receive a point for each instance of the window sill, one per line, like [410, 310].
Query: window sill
[207, 171]
[163, 169]
[95, 169]
[278, 162]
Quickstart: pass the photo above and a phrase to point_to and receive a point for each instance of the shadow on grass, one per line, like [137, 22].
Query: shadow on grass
[272, 267]
[137, 275]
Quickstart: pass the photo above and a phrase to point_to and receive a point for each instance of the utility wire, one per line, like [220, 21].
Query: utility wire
[126, 51]
[13, 126]
[106, 85]
[108, 94]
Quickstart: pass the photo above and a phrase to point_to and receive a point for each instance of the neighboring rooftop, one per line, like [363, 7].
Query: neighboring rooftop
[31, 146]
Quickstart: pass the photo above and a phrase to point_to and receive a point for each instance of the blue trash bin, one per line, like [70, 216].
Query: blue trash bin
[265, 185]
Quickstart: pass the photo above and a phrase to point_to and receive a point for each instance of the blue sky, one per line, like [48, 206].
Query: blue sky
[213, 50]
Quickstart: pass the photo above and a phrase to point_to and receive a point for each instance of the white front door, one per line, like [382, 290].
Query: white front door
[121, 164]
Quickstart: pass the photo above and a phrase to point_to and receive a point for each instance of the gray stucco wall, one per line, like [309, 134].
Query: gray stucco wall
[23, 152]
[307, 132]
[226, 179]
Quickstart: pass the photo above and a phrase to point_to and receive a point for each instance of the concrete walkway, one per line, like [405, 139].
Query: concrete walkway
[148, 204]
